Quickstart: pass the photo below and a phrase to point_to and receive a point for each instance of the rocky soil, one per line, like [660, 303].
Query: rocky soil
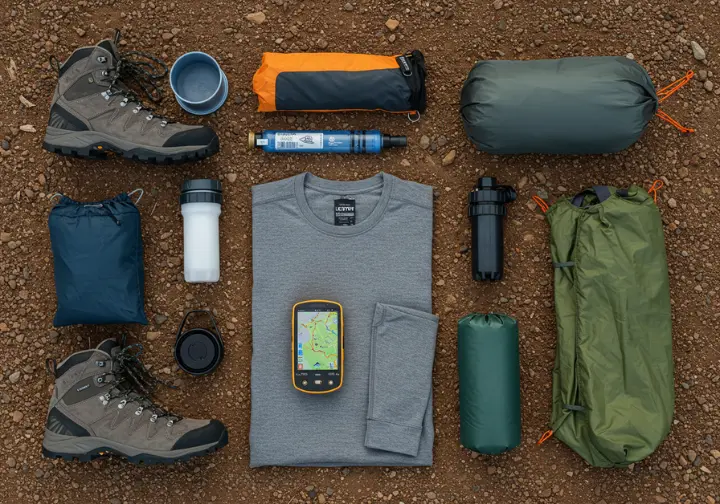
[667, 37]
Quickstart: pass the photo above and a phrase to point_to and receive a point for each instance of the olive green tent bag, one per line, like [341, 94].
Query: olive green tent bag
[613, 392]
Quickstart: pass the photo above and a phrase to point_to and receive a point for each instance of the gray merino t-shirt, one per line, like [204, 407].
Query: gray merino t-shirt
[379, 269]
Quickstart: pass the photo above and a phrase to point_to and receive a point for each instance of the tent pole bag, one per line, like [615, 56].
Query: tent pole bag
[489, 371]
[98, 257]
[613, 394]
[583, 105]
[333, 82]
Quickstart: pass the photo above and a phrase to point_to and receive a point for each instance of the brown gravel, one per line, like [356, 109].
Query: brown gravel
[452, 34]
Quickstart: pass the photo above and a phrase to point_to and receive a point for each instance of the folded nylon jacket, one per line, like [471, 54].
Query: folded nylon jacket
[583, 105]
[613, 392]
[331, 82]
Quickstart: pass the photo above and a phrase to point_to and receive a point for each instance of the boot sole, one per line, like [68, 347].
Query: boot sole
[95, 145]
[105, 448]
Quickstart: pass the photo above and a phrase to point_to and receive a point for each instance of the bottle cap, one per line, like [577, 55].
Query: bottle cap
[198, 351]
[201, 191]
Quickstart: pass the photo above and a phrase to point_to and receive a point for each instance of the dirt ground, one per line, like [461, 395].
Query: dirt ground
[453, 34]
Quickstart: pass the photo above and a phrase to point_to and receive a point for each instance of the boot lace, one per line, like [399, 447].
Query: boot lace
[133, 383]
[140, 69]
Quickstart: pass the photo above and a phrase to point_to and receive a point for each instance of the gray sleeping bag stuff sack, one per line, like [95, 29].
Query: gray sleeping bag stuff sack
[584, 105]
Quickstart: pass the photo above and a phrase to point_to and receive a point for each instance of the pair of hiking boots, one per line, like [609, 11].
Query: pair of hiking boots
[94, 110]
[102, 404]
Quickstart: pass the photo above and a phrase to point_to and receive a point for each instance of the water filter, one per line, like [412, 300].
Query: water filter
[200, 204]
[487, 210]
[343, 142]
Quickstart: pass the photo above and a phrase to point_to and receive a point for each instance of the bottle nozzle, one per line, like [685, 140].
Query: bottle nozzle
[394, 141]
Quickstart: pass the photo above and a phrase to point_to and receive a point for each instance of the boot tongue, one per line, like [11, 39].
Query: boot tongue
[108, 345]
[110, 47]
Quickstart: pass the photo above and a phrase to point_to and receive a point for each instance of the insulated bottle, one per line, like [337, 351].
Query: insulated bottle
[344, 142]
[486, 207]
[200, 202]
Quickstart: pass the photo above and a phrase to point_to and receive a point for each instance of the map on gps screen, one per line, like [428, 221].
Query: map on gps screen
[317, 341]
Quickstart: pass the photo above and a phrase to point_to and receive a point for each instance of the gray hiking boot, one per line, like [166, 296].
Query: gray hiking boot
[94, 112]
[101, 405]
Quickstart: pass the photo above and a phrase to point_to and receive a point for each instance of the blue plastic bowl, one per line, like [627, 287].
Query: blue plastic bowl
[199, 84]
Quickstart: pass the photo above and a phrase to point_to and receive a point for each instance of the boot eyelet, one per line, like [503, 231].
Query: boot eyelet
[153, 418]
[100, 379]
[163, 124]
[102, 59]
[139, 411]
[170, 423]
[135, 111]
[122, 404]
[104, 73]
[100, 363]
[149, 118]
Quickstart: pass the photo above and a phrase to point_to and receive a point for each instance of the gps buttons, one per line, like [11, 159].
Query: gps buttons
[318, 382]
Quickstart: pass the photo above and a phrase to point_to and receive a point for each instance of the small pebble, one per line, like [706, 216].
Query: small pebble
[698, 51]
[256, 17]
[449, 158]
[392, 24]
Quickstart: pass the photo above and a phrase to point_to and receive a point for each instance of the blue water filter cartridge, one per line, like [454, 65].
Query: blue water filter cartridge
[343, 142]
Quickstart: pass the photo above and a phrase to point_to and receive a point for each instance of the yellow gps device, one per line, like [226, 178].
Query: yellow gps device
[317, 346]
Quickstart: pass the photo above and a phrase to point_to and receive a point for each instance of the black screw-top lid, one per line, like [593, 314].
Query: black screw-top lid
[201, 191]
[199, 351]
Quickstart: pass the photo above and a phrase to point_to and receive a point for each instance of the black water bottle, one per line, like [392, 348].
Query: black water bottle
[486, 207]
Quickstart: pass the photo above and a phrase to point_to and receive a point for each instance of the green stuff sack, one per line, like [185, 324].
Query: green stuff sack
[613, 392]
[489, 370]
[584, 105]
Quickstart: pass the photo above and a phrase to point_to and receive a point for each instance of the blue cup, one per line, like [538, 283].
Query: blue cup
[199, 84]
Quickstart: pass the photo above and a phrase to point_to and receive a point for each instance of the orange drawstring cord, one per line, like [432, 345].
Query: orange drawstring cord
[666, 92]
[541, 203]
[547, 435]
[654, 188]
[662, 115]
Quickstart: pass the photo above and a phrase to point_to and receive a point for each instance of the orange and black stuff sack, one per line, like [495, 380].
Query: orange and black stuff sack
[330, 82]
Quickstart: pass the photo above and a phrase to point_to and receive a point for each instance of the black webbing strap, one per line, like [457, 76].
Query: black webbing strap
[602, 193]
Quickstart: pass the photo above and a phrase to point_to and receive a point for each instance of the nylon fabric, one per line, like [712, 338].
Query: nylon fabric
[613, 394]
[327, 82]
[98, 258]
[583, 105]
[489, 371]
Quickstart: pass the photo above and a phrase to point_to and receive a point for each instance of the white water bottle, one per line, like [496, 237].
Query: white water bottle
[200, 202]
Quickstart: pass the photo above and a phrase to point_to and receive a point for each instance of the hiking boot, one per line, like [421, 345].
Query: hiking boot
[94, 111]
[101, 405]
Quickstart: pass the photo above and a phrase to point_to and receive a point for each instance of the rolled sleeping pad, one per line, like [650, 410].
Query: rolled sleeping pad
[583, 105]
[489, 370]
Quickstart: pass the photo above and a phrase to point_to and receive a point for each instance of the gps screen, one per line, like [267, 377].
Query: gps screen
[317, 341]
